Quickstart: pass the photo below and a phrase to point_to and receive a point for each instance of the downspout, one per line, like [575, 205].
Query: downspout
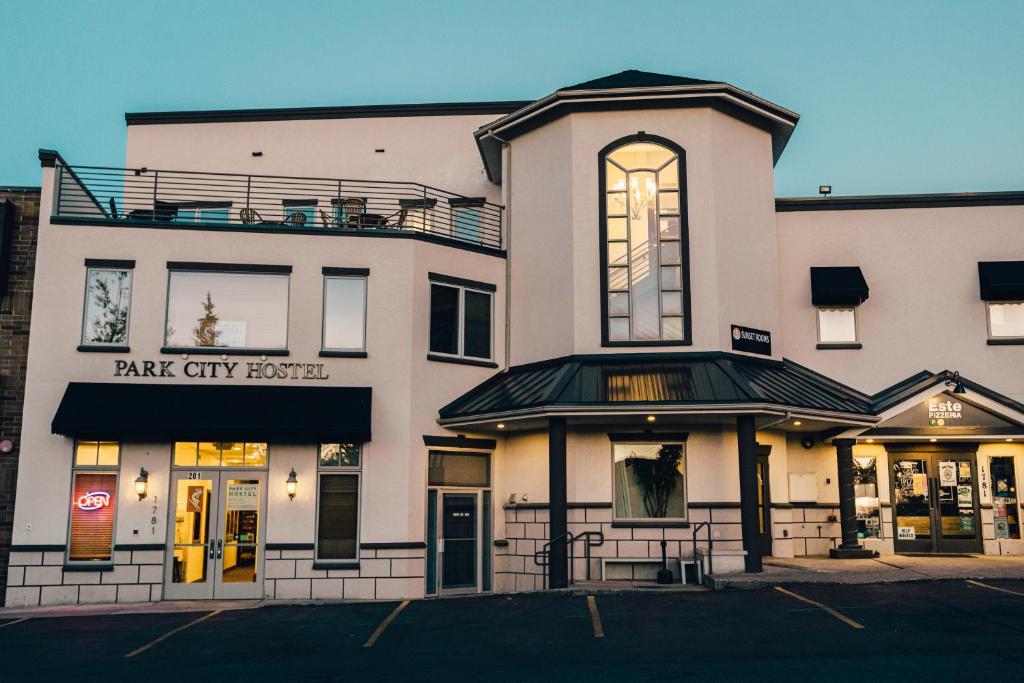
[782, 419]
[506, 182]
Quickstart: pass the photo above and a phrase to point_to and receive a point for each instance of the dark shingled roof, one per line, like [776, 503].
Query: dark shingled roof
[677, 379]
[631, 78]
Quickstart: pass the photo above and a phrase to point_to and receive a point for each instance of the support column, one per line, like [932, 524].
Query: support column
[558, 560]
[850, 548]
[747, 441]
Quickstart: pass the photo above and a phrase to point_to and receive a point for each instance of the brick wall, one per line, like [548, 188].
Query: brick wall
[15, 311]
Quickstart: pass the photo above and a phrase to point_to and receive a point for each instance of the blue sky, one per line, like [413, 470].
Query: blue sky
[893, 97]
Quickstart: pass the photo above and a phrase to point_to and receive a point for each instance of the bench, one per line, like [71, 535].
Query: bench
[683, 561]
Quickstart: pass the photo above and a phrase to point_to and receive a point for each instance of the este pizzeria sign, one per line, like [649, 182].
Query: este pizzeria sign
[220, 369]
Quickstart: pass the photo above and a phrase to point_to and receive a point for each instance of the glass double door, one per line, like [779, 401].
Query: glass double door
[935, 502]
[216, 535]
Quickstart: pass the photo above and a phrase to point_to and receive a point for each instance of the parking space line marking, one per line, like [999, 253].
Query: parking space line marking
[384, 624]
[12, 623]
[994, 588]
[595, 617]
[170, 633]
[838, 615]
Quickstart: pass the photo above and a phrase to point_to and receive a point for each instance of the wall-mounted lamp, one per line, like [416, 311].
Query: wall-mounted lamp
[956, 383]
[142, 483]
[291, 484]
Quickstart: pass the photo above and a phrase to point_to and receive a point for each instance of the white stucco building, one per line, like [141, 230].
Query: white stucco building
[396, 351]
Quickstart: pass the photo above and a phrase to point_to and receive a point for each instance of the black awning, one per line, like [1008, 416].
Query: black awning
[170, 412]
[1001, 280]
[838, 286]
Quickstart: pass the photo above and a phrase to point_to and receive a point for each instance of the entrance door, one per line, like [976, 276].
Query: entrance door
[935, 502]
[764, 507]
[216, 535]
[460, 534]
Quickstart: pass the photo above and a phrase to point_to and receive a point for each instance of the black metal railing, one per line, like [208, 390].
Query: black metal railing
[152, 196]
[591, 539]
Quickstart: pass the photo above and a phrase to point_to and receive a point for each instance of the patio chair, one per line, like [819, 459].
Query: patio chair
[351, 211]
[326, 220]
[396, 220]
[250, 216]
[113, 209]
[296, 219]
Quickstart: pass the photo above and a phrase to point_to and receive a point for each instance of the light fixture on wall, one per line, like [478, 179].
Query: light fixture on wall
[957, 383]
[291, 484]
[142, 483]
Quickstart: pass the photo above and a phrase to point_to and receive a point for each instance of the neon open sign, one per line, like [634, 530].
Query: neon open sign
[94, 500]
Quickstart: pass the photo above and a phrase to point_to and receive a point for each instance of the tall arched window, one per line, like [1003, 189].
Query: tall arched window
[644, 250]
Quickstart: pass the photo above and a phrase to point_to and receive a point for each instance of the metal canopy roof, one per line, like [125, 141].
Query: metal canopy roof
[631, 380]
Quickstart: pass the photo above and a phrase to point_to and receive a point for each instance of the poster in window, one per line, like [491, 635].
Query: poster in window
[947, 473]
[243, 495]
[194, 502]
[964, 496]
[93, 504]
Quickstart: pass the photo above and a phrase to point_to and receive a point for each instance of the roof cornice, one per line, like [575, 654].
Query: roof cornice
[899, 201]
[724, 97]
[343, 112]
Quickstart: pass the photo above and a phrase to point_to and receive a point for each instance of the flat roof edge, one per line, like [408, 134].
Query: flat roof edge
[899, 201]
[339, 112]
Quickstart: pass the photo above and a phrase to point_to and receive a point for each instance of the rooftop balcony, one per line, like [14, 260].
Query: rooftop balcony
[225, 201]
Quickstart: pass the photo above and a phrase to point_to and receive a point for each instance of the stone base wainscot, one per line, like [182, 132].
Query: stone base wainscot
[38, 575]
[385, 571]
[526, 532]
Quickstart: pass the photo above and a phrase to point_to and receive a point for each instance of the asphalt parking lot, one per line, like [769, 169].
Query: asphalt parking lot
[940, 630]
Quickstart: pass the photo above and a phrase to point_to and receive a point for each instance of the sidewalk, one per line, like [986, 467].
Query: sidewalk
[883, 569]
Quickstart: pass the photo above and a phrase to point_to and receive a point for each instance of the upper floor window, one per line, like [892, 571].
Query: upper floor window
[344, 310]
[460, 319]
[201, 212]
[644, 242]
[219, 306]
[300, 212]
[108, 293]
[1006, 319]
[837, 325]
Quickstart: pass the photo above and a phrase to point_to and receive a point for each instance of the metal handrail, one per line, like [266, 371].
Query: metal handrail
[542, 557]
[169, 198]
[711, 546]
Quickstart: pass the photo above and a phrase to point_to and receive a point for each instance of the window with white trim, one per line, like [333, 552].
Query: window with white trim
[649, 480]
[1005, 319]
[344, 313]
[837, 325]
[94, 478]
[339, 468]
[461, 321]
[108, 297]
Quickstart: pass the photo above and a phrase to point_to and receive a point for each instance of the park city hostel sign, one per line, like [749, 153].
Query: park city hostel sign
[220, 369]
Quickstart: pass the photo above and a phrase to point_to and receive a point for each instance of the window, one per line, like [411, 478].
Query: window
[1006, 319]
[1004, 498]
[344, 313]
[305, 207]
[203, 212]
[837, 325]
[93, 501]
[108, 293]
[644, 268]
[337, 529]
[227, 310]
[649, 481]
[219, 454]
[460, 321]
[865, 491]
[459, 468]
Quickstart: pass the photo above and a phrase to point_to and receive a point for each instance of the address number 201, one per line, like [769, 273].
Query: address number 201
[192, 475]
